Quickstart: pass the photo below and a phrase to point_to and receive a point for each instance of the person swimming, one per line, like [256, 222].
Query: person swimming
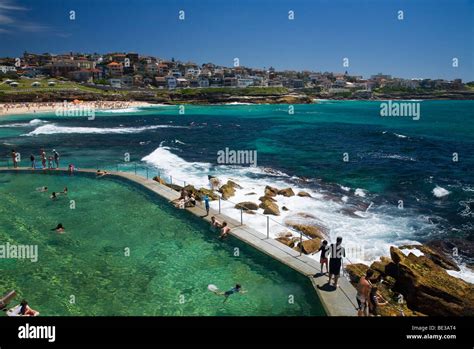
[65, 191]
[236, 289]
[59, 228]
[54, 196]
[215, 224]
[42, 189]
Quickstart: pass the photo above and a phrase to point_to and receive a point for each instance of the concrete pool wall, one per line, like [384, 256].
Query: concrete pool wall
[336, 302]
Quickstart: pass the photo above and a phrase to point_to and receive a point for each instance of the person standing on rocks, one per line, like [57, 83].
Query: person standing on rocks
[363, 293]
[337, 252]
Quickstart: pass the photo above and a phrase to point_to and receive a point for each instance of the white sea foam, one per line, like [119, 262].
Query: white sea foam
[465, 273]
[400, 136]
[119, 111]
[360, 192]
[415, 251]
[237, 103]
[54, 129]
[440, 192]
[33, 122]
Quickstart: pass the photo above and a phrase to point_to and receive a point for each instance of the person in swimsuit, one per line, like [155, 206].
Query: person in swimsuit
[215, 224]
[363, 293]
[225, 230]
[33, 161]
[323, 259]
[233, 290]
[14, 158]
[43, 158]
[26, 310]
[375, 299]
[206, 204]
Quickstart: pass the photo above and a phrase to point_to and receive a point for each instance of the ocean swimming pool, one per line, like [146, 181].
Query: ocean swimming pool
[173, 255]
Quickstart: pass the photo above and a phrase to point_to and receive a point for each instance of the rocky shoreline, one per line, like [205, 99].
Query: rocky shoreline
[175, 97]
[414, 279]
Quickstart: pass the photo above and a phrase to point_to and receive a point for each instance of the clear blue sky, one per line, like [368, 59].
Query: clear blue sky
[258, 32]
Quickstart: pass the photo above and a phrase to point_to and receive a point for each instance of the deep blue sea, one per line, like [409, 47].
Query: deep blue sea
[402, 168]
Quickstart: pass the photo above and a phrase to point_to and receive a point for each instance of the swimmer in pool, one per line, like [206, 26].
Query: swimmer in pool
[54, 196]
[215, 224]
[233, 290]
[42, 189]
[225, 230]
[59, 228]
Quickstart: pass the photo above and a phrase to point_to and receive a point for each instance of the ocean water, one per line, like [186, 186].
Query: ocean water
[128, 252]
[400, 184]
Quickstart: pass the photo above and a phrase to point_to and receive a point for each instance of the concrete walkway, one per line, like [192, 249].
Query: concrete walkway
[336, 302]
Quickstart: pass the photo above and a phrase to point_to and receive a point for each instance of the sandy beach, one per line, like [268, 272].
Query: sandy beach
[34, 108]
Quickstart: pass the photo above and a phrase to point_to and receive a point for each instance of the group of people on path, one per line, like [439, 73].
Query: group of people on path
[47, 162]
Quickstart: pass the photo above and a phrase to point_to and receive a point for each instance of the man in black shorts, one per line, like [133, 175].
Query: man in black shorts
[337, 252]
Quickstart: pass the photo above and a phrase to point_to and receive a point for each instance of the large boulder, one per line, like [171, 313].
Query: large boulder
[302, 193]
[428, 288]
[212, 196]
[309, 246]
[265, 198]
[191, 190]
[286, 192]
[312, 231]
[437, 257]
[233, 184]
[269, 207]
[288, 241]
[247, 205]
[271, 191]
[393, 308]
[227, 191]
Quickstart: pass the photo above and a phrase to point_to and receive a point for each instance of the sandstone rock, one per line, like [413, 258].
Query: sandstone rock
[227, 190]
[304, 194]
[309, 246]
[247, 205]
[286, 192]
[428, 288]
[159, 180]
[233, 184]
[208, 192]
[309, 230]
[437, 257]
[271, 191]
[191, 190]
[265, 198]
[269, 207]
[288, 241]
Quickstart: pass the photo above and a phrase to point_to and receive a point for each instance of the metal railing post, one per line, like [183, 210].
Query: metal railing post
[117, 167]
[301, 243]
[184, 183]
[171, 179]
[241, 216]
[135, 168]
[268, 227]
[219, 204]
[146, 172]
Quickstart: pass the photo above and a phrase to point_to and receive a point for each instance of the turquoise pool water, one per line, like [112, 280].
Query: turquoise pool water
[173, 255]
